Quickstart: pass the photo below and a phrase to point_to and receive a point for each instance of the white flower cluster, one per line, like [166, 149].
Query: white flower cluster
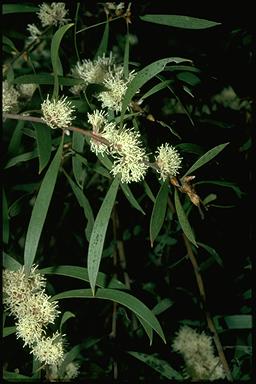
[57, 113]
[198, 354]
[125, 146]
[25, 299]
[103, 71]
[71, 372]
[34, 33]
[53, 14]
[229, 99]
[168, 161]
[27, 90]
[9, 98]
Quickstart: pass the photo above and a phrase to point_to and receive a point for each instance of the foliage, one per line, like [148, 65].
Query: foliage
[133, 262]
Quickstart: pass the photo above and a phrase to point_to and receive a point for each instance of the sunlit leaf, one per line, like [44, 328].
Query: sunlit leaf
[208, 156]
[180, 21]
[99, 232]
[55, 45]
[40, 210]
[44, 144]
[81, 273]
[120, 297]
[183, 220]
[158, 212]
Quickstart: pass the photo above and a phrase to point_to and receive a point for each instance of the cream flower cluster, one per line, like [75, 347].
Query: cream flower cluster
[52, 14]
[168, 161]
[198, 354]
[10, 97]
[34, 33]
[25, 298]
[103, 71]
[57, 113]
[125, 146]
[71, 372]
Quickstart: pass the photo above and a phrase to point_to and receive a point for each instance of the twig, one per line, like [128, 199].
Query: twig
[202, 293]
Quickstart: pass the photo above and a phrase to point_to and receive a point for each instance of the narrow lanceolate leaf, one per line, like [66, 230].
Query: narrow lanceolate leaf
[183, 220]
[56, 40]
[179, 21]
[14, 145]
[99, 232]
[8, 331]
[44, 144]
[84, 203]
[77, 165]
[143, 76]
[104, 42]
[123, 298]
[206, 158]
[81, 273]
[130, 197]
[158, 365]
[126, 54]
[158, 213]
[147, 329]
[158, 87]
[10, 263]
[18, 8]
[40, 209]
[45, 78]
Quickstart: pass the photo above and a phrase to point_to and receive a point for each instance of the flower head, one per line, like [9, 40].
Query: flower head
[91, 72]
[27, 90]
[49, 350]
[34, 33]
[101, 129]
[168, 161]
[53, 14]
[10, 98]
[130, 159]
[116, 84]
[198, 353]
[57, 113]
[29, 330]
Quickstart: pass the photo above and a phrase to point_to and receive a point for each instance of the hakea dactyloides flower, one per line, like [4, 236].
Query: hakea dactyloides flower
[24, 297]
[57, 113]
[168, 161]
[198, 354]
[52, 14]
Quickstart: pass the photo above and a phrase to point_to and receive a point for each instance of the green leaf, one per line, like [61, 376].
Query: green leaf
[147, 329]
[10, 263]
[18, 8]
[130, 197]
[179, 21]
[55, 45]
[6, 229]
[233, 322]
[66, 316]
[8, 331]
[84, 203]
[149, 192]
[81, 273]
[21, 158]
[120, 297]
[212, 252]
[126, 54]
[208, 156]
[40, 209]
[223, 183]
[9, 43]
[158, 212]
[162, 306]
[158, 87]
[77, 165]
[47, 79]
[44, 144]
[144, 76]
[189, 78]
[158, 365]
[14, 144]
[183, 220]
[17, 377]
[103, 47]
[99, 232]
